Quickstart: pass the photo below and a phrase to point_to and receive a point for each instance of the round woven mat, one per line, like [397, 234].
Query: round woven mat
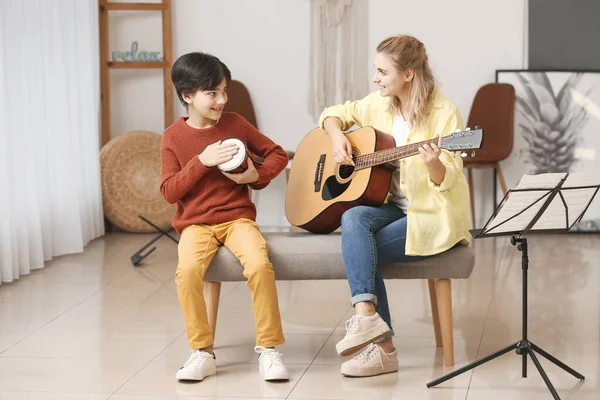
[130, 168]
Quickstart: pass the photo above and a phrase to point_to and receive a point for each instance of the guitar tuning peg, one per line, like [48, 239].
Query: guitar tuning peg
[458, 130]
[477, 127]
[473, 153]
[468, 129]
[463, 154]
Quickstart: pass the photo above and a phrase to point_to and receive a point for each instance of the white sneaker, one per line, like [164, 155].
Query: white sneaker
[200, 365]
[370, 362]
[271, 365]
[360, 331]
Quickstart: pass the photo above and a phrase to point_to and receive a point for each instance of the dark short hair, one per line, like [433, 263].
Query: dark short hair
[198, 71]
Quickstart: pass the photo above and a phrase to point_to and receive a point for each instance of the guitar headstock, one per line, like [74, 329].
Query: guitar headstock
[469, 139]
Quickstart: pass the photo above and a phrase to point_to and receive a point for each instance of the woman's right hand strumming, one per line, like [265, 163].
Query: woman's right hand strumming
[342, 148]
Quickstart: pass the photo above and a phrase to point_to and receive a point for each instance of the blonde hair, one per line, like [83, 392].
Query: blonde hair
[408, 52]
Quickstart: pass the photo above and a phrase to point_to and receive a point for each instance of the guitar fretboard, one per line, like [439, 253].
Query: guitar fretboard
[388, 155]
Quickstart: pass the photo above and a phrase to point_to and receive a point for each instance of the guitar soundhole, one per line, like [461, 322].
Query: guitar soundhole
[346, 171]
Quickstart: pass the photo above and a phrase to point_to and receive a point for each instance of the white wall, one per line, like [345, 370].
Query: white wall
[265, 43]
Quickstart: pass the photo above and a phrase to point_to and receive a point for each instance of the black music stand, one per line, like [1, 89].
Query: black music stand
[549, 203]
[139, 255]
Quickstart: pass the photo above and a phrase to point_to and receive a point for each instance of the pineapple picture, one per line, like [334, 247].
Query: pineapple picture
[557, 128]
[553, 123]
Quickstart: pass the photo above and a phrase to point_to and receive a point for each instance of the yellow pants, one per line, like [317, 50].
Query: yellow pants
[197, 247]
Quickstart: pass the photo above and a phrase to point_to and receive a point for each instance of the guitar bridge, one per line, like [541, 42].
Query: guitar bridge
[319, 173]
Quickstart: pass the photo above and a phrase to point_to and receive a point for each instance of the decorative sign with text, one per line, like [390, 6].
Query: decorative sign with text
[133, 55]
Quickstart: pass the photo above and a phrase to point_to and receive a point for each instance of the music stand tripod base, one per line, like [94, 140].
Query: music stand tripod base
[523, 347]
[536, 204]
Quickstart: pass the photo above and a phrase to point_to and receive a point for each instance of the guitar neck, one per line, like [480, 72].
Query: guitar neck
[388, 155]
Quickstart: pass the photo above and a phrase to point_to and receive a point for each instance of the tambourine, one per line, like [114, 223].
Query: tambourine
[239, 162]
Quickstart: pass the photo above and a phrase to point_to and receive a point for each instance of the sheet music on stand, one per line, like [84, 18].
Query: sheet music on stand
[570, 195]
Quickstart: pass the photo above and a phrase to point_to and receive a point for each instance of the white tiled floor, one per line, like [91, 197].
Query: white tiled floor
[92, 327]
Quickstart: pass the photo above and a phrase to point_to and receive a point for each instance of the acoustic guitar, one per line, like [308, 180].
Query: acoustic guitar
[320, 190]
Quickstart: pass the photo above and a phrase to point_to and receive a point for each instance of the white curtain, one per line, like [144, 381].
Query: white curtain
[50, 192]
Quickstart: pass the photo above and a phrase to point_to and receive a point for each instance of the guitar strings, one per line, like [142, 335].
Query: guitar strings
[383, 156]
[389, 154]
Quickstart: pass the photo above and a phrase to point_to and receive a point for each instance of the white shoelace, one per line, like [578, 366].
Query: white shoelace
[367, 354]
[273, 355]
[352, 324]
[194, 357]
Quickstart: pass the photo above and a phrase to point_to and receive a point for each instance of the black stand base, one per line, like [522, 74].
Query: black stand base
[523, 347]
[139, 255]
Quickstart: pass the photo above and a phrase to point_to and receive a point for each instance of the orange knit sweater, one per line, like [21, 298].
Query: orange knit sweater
[203, 194]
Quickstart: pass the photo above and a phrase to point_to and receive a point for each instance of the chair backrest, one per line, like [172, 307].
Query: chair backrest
[240, 102]
[493, 110]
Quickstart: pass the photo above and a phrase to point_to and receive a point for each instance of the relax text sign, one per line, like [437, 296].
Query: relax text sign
[133, 55]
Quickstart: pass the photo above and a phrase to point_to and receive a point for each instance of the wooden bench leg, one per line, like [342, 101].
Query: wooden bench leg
[212, 291]
[434, 313]
[443, 290]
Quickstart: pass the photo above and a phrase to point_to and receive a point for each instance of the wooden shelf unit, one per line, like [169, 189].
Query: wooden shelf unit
[106, 64]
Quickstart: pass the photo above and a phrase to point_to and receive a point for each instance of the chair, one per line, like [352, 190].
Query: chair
[493, 109]
[240, 102]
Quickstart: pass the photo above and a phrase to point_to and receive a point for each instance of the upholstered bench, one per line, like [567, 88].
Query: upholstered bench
[306, 256]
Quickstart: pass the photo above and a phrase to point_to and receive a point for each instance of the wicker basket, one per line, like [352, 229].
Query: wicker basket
[130, 168]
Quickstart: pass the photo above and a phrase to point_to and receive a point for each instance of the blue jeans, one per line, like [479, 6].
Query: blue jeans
[372, 236]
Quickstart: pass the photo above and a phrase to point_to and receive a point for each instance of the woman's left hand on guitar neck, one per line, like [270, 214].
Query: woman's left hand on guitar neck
[250, 175]
[430, 154]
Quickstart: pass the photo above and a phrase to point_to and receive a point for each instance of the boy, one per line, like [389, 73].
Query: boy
[214, 209]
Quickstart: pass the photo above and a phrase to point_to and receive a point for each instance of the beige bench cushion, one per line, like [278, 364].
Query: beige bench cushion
[307, 256]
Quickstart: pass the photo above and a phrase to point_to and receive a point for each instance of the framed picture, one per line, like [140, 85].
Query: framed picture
[557, 127]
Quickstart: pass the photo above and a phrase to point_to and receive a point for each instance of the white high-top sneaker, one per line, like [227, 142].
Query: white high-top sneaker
[200, 365]
[370, 362]
[270, 365]
[360, 331]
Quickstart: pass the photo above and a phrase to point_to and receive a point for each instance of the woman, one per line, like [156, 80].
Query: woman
[427, 210]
